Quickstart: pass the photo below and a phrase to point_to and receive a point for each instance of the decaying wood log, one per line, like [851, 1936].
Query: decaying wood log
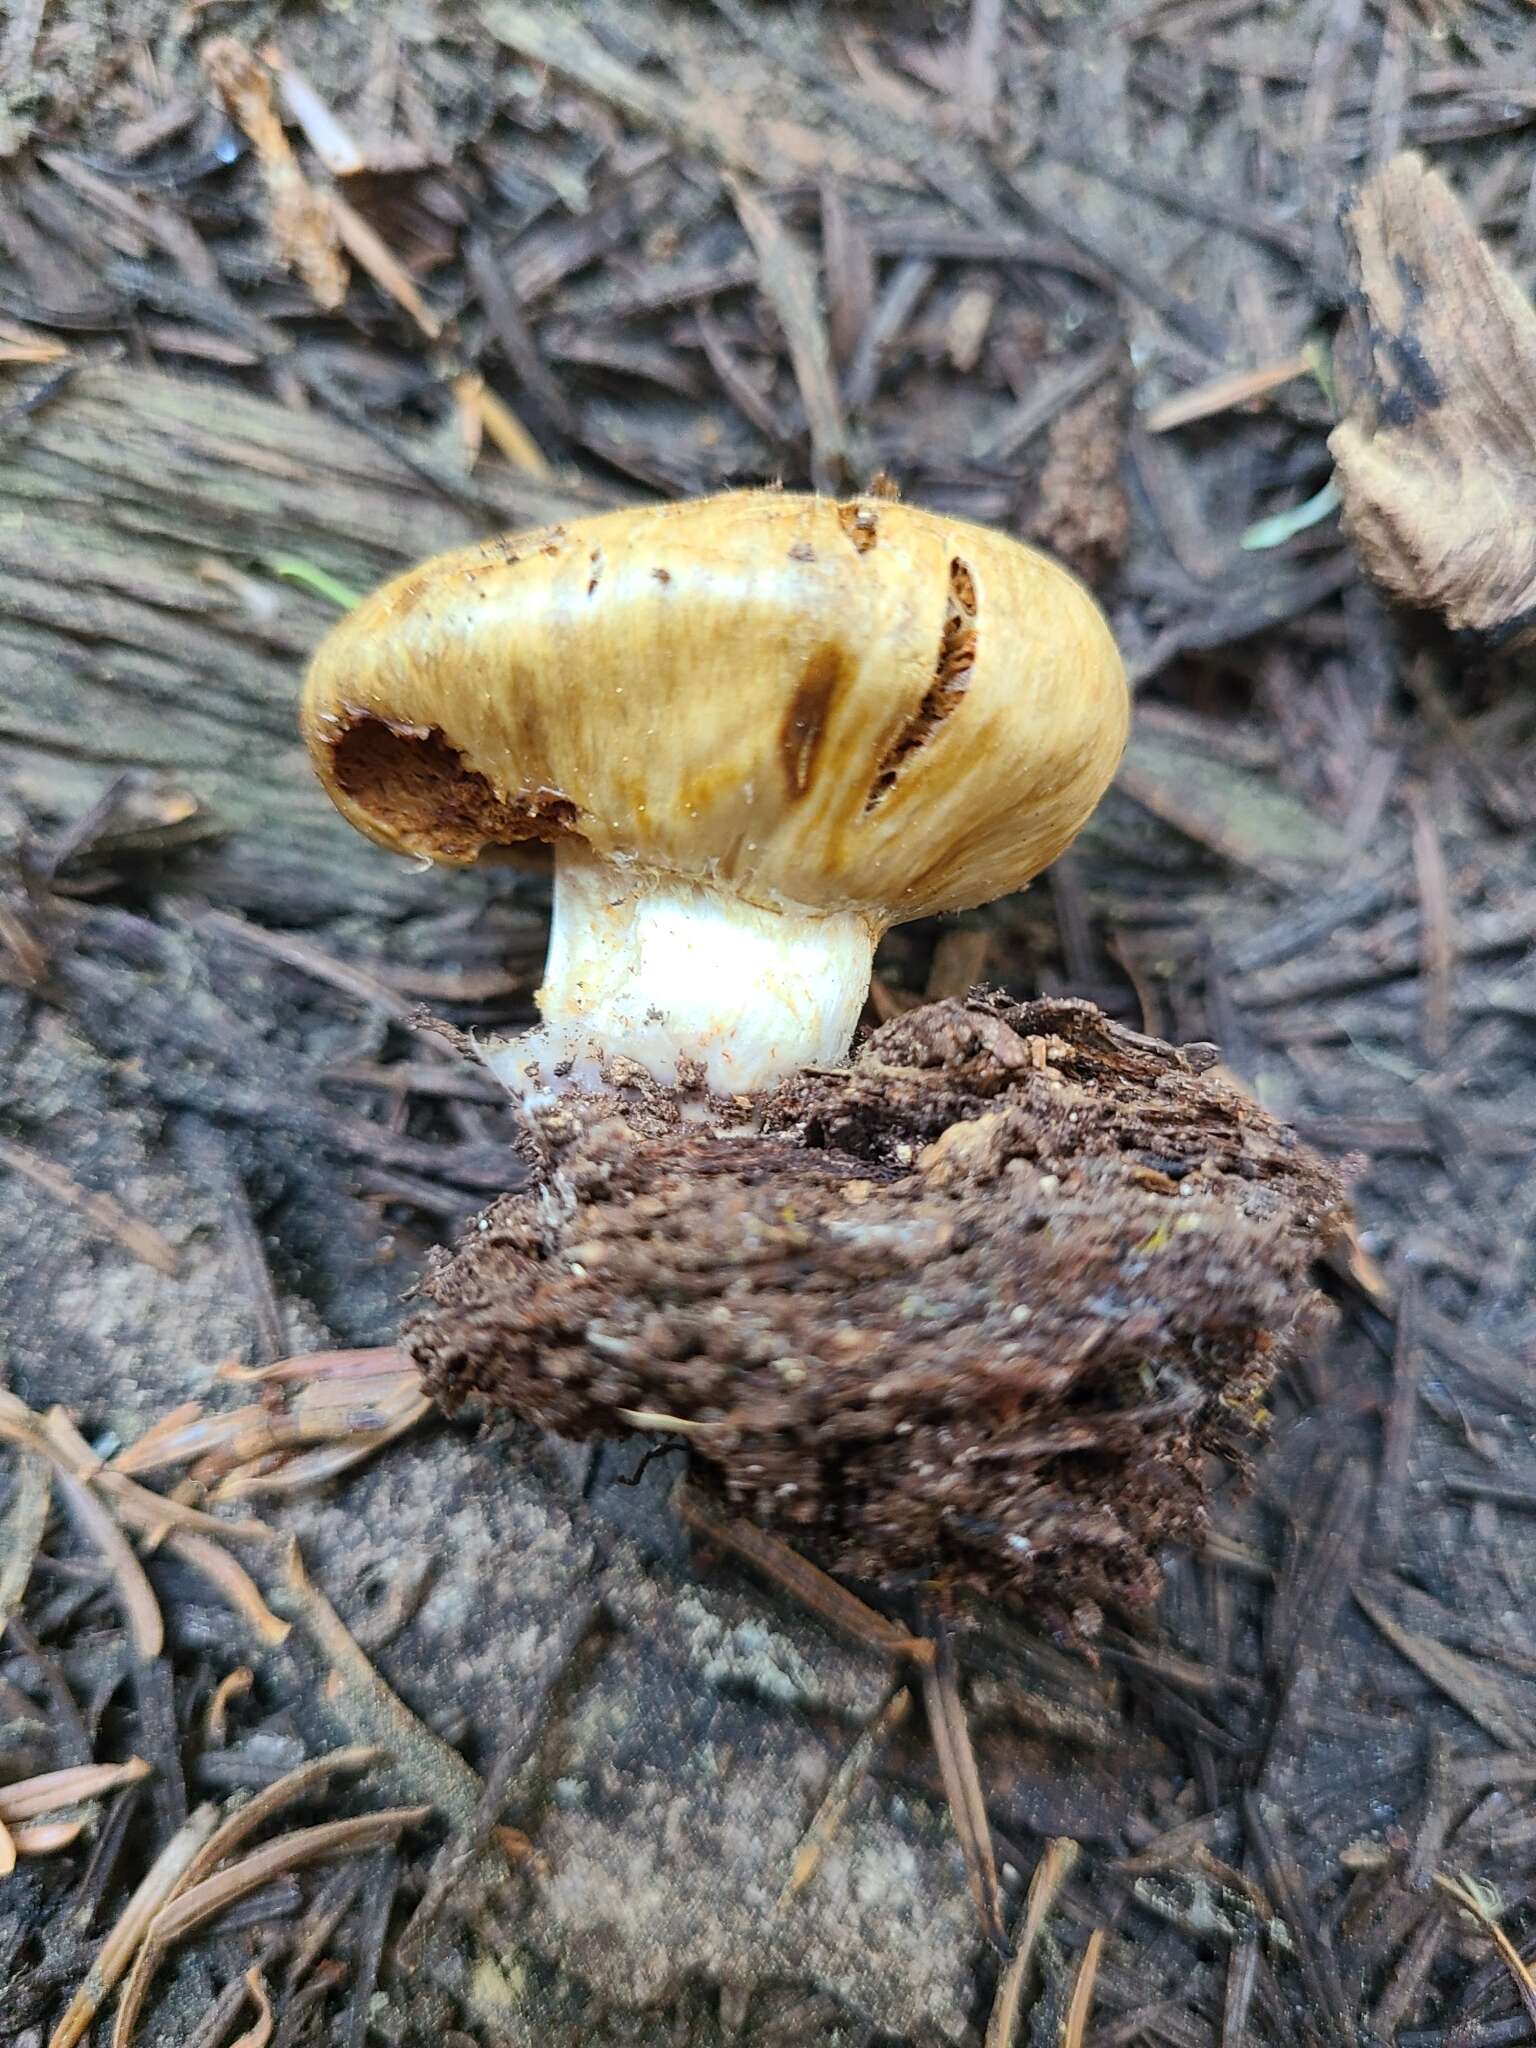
[1436, 449]
[142, 624]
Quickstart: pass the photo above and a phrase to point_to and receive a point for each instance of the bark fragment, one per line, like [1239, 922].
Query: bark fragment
[1436, 448]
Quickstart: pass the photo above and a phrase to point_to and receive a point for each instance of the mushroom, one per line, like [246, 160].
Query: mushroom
[979, 1305]
[756, 730]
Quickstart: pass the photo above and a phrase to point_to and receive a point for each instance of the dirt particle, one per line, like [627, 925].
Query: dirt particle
[859, 522]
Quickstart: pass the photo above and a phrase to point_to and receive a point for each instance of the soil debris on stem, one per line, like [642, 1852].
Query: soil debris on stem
[974, 1310]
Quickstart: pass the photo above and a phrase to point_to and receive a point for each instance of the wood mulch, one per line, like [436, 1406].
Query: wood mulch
[290, 297]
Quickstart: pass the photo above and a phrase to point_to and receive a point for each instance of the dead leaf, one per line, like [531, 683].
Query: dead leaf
[301, 221]
[1436, 450]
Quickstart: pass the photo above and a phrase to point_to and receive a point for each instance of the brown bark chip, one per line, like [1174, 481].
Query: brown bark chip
[1436, 446]
[975, 1310]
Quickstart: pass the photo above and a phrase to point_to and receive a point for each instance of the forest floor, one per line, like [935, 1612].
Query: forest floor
[291, 296]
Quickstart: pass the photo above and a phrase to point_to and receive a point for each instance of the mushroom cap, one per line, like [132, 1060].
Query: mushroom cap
[860, 706]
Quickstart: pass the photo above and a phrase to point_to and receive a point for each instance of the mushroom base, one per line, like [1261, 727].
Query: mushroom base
[673, 976]
[977, 1311]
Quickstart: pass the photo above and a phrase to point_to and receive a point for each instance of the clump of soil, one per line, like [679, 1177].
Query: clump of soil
[976, 1311]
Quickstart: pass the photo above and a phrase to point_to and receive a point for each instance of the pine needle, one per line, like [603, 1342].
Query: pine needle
[1050, 1874]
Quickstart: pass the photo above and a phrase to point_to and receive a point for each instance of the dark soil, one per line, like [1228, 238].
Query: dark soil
[585, 255]
[973, 1314]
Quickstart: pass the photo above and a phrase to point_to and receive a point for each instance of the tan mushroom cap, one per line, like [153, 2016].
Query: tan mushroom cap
[858, 706]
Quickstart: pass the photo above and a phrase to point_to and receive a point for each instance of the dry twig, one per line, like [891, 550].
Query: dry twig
[962, 1786]
[130, 1231]
[1050, 1874]
[377, 1714]
[121, 1945]
[850, 1774]
[809, 1585]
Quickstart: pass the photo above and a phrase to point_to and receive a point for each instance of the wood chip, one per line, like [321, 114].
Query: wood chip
[1436, 926]
[811, 1586]
[960, 962]
[788, 280]
[21, 1532]
[360, 1698]
[698, 115]
[1242, 815]
[1436, 449]
[848, 265]
[1047, 400]
[1402, 1414]
[566, 47]
[1480, 1693]
[850, 1774]
[304, 228]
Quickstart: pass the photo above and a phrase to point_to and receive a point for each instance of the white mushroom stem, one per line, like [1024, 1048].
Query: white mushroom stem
[657, 970]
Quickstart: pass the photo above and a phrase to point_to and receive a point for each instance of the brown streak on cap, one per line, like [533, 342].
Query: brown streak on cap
[805, 723]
